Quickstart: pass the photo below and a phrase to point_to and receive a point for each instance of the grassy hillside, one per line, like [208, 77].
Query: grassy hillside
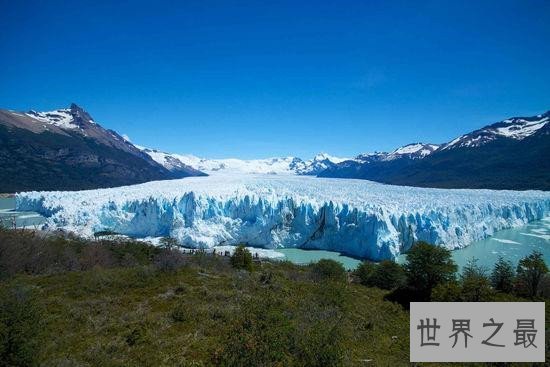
[105, 303]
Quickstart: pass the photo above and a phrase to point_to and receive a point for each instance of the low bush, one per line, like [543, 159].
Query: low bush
[169, 260]
[242, 259]
[180, 313]
[327, 269]
[364, 271]
[20, 327]
[386, 275]
[31, 252]
[447, 292]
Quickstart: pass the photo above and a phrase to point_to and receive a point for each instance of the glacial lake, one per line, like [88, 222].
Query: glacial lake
[304, 257]
[22, 219]
[512, 244]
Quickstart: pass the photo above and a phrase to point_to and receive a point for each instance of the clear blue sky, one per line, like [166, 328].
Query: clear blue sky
[258, 79]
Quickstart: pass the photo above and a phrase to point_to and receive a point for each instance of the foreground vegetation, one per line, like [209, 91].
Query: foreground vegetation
[70, 302]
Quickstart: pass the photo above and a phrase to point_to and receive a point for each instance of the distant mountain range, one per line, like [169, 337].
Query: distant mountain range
[66, 149]
[510, 154]
[277, 165]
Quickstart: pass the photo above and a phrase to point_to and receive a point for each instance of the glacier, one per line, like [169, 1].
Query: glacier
[359, 218]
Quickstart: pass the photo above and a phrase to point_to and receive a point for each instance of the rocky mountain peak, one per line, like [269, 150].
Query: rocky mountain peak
[80, 116]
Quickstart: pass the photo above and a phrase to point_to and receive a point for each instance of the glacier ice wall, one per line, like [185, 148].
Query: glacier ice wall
[355, 217]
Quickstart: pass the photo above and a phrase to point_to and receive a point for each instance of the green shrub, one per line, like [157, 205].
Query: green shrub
[180, 313]
[320, 344]
[404, 295]
[544, 286]
[327, 269]
[141, 252]
[38, 253]
[20, 327]
[447, 292]
[135, 336]
[502, 277]
[386, 275]
[242, 259]
[261, 335]
[364, 271]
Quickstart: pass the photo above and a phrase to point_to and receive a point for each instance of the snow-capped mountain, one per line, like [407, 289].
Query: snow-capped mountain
[517, 128]
[66, 149]
[73, 121]
[276, 166]
[62, 118]
[318, 164]
[409, 151]
[413, 151]
[172, 162]
[511, 154]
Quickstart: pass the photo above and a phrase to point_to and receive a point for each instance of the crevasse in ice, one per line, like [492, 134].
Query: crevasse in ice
[355, 217]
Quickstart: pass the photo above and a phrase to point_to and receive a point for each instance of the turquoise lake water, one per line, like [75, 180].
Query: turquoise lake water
[512, 244]
[304, 257]
[22, 219]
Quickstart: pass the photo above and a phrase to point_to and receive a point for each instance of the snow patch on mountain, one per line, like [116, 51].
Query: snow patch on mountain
[61, 118]
[355, 217]
[421, 149]
[411, 151]
[517, 128]
[520, 128]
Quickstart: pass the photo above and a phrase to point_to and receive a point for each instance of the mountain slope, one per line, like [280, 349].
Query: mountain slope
[172, 162]
[67, 150]
[511, 154]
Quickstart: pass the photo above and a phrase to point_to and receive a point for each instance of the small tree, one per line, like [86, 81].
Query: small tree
[242, 259]
[476, 286]
[544, 286]
[447, 292]
[387, 275]
[364, 271]
[427, 266]
[502, 277]
[327, 269]
[529, 272]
